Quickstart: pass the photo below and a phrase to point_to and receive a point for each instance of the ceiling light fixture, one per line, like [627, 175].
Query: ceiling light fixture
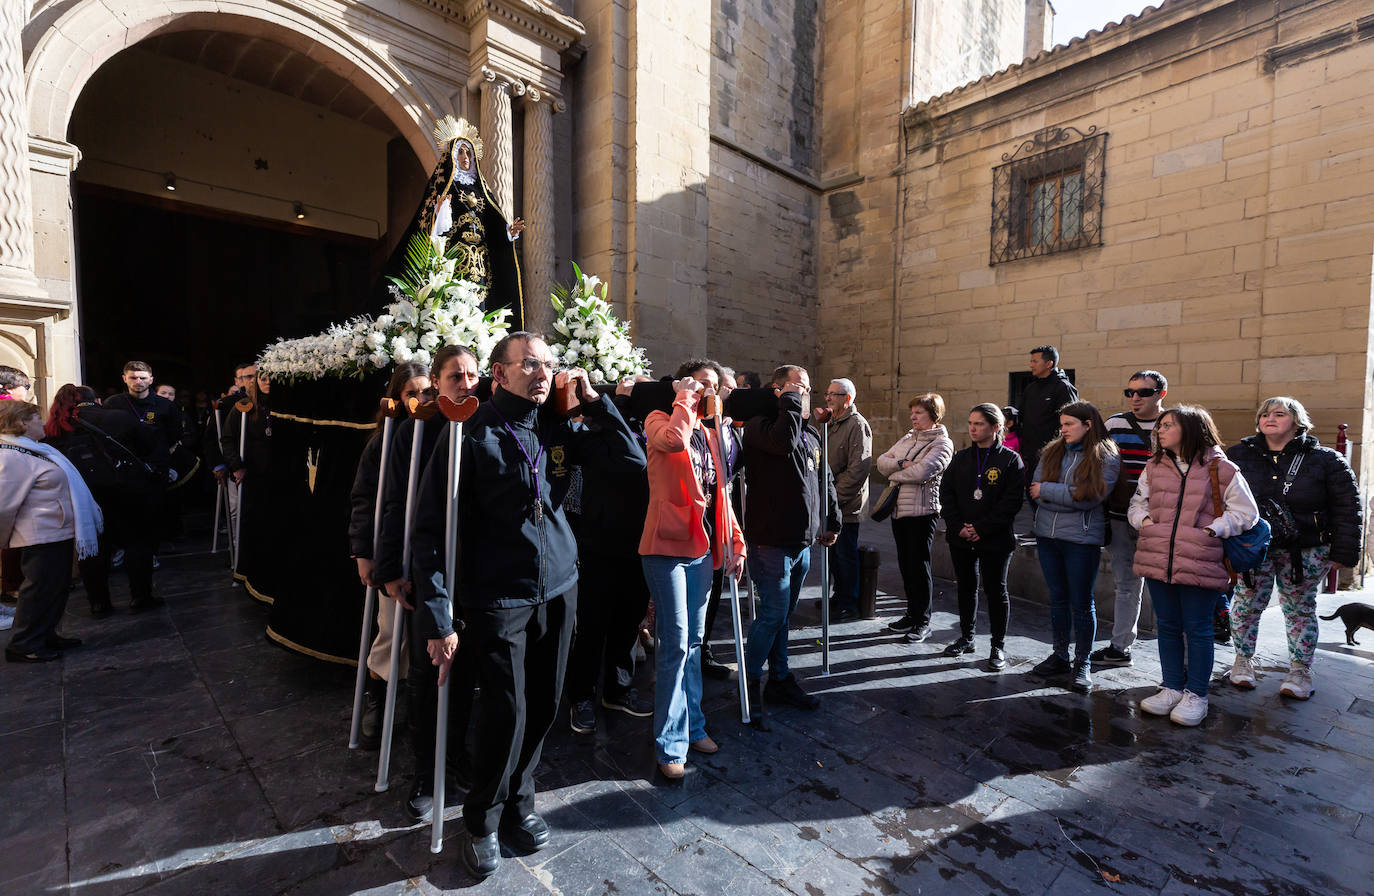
[300, 211]
[171, 182]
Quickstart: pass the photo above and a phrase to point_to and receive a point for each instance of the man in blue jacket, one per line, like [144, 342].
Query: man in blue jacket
[517, 576]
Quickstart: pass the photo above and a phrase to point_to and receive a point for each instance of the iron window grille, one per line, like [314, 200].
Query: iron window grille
[1047, 195]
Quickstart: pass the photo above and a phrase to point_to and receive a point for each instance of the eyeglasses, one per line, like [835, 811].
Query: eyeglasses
[1143, 393]
[1166, 425]
[530, 365]
[836, 394]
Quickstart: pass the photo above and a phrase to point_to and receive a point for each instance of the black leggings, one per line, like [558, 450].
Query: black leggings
[914, 536]
[991, 567]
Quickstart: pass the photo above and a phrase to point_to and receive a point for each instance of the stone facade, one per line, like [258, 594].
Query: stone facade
[1237, 237]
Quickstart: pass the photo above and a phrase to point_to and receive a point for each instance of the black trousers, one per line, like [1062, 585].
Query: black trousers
[991, 568]
[423, 687]
[612, 599]
[915, 535]
[47, 572]
[521, 654]
[132, 526]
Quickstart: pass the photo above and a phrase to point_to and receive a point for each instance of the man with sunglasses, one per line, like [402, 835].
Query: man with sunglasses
[517, 575]
[1132, 431]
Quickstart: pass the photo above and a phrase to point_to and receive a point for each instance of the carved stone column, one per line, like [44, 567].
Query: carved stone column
[496, 135]
[16, 200]
[539, 209]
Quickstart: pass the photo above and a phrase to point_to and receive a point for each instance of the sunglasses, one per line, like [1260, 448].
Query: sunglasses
[1143, 393]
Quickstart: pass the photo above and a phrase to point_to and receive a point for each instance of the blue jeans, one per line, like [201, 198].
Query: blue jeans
[680, 587]
[777, 574]
[1183, 614]
[1070, 572]
[844, 565]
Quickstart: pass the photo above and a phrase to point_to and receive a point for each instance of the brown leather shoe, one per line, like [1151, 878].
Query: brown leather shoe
[673, 771]
[705, 745]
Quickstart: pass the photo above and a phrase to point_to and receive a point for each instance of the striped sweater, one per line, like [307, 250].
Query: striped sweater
[1135, 450]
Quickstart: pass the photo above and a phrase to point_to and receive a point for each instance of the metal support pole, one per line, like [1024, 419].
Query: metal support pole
[455, 454]
[370, 598]
[220, 497]
[243, 459]
[398, 617]
[825, 551]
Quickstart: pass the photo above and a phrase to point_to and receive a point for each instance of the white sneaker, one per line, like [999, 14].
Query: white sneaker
[1162, 704]
[1191, 710]
[6, 618]
[1243, 672]
[1298, 684]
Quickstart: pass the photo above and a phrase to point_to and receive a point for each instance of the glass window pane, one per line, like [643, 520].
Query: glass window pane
[1071, 208]
[1042, 212]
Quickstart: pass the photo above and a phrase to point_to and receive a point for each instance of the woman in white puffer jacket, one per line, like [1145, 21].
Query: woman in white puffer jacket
[916, 462]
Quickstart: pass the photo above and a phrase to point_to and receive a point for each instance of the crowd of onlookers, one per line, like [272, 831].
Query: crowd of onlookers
[646, 500]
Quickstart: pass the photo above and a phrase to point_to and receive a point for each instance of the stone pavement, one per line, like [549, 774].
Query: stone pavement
[180, 752]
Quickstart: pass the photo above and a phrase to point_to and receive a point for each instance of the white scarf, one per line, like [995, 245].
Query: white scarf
[90, 522]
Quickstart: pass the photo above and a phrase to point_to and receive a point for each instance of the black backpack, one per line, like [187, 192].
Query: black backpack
[110, 468]
[87, 453]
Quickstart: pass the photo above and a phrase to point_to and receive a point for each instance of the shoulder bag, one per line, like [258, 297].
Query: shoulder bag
[1246, 551]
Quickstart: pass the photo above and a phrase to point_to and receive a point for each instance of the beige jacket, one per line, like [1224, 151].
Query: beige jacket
[851, 457]
[927, 454]
[35, 502]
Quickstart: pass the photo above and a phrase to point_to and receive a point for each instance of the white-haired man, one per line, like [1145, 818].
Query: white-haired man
[851, 457]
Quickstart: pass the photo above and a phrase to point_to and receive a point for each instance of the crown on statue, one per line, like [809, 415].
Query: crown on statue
[449, 129]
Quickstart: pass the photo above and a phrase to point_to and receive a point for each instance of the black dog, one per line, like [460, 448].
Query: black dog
[1355, 617]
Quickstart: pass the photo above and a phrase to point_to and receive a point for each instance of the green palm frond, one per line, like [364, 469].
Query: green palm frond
[419, 258]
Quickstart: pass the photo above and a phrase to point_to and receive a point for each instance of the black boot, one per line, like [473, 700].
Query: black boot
[758, 714]
[374, 699]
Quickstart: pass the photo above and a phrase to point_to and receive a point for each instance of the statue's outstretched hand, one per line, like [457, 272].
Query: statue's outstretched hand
[516, 227]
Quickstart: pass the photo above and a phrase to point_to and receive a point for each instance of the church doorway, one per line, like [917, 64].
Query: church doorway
[231, 190]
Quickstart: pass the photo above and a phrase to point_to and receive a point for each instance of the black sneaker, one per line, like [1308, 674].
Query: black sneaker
[370, 726]
[1082, 677]
[843, 614]
[420, 803]
[37, 655]
[917, 635]
[628, 703]
[714, 668]
[582, 717]
[997, 660]
[1110, 656]
[1052, 665]
[902, 626]
[960, 647]
[1221, 626]
[790, 692]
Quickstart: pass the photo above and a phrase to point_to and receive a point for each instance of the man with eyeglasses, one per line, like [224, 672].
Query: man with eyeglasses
[851, 457]
[1132, 431]
[517, 575]
[788, 511]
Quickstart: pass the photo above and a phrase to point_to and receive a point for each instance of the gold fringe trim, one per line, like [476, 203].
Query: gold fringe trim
[240, 577]
[344, 423]
[292, 645]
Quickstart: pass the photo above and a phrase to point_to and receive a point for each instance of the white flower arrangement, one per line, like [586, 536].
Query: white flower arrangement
[590, 336]
[431, 309]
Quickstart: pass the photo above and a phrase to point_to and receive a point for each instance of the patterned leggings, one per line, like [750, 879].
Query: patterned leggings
[1298, 600]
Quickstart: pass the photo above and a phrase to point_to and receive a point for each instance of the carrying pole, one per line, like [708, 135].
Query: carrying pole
[456, 413]
[389, 409]
[727, 552]
[419, 413]
[825, 551]
[220, 487]
[243, 406]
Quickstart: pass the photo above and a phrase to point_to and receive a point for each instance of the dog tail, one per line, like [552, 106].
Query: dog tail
[1332, 616]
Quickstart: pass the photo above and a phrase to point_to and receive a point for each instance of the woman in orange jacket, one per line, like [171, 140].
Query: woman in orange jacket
[689, 511]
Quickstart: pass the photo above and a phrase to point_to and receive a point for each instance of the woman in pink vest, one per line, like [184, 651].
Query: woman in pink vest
[1189, 498]
[689, 523]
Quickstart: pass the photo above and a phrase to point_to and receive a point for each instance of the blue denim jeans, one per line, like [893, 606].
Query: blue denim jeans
[680, 587]
[778, 574]
[1070, 572]
[1184, 614]
[844, 566]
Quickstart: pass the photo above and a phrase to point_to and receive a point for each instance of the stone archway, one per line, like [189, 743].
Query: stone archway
[67, 49]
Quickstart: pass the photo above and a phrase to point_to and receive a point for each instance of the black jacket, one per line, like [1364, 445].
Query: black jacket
[362, 499]
[782, 469]
[1324, 498]
[1003, 485]
[613, 505]
[509, 553]
[257, 449]
[391, 540]
[1039, 421]
[156, 412]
